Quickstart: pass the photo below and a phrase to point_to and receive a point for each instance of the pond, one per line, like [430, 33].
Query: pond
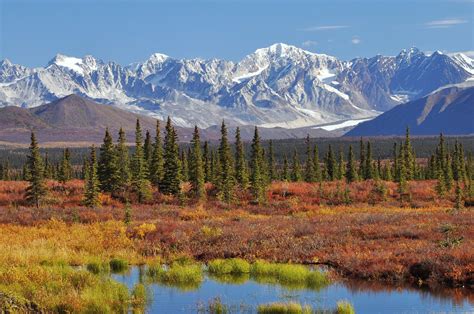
[244, 294]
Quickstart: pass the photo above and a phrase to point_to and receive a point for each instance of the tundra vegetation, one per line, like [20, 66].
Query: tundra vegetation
[64, 227]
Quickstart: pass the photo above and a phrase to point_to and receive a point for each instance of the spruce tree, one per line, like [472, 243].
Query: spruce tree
[257, 181]
[36, 190]
[148, 149]
[341, 171]
[207, 162]
[226, 181]
[196, 167]
[459, 202]
[140, 184]
[65, 167]
[241, 175]
[351, 170]
[408, 157]
[123, 162]
[296, 171]
[107, 169]
[309, 165]
[369, 167]
[285, 175]
[91, 185]
[331, 164]
[448, 173]
[156, 165]
[362, 161]
[316, 166]
[184, 167]
[171, 183]
[271, 162]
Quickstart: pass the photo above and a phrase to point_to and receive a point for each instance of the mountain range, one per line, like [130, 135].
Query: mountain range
[279, 86]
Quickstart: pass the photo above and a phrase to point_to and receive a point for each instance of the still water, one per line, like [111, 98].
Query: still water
[243, 296]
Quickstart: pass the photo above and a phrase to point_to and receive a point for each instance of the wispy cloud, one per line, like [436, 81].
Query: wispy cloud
[445, 23]
[356, 40]
[324, 28]
[309, 43]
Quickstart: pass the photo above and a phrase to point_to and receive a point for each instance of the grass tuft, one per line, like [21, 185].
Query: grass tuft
[284, 308]
[234, 266]
[344, 307]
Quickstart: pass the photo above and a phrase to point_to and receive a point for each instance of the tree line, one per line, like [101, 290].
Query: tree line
[158, 164]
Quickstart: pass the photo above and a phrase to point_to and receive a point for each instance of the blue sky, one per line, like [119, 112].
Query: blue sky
[33, 31]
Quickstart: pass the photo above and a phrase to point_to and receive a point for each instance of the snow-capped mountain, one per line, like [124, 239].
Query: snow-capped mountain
[280, 85]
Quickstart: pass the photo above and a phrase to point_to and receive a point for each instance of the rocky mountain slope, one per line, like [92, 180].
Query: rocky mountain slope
[278, 86]
[449, 110]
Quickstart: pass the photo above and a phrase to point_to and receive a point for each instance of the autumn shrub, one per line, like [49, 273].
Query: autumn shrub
[64, 289]
[228, 266]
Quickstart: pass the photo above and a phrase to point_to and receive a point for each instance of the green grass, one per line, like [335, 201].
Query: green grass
[344, 307]
[233, 266]
[288, 275]
[97, 267]
[139, 298]
[185, 277]
[118, 265]
[284, 308]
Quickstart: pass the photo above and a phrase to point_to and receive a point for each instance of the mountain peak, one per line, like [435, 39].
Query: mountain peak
[158, 57]
[5, 62]
[281, 50]
[71, 63]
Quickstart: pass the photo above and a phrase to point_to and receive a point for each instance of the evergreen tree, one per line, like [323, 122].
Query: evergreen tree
[148, 149]
[171, 183]
[331, 164]
[257, 181]
[196, 168]
[402, 181]
[271, 162]
[316, 166]
[285, 175]
[309, 165]
[123, 163]
[362, 161]
[341, 171]
[395, 163]
[226, 179]
[408, 157]
[351, 171]
[156, 165]
[139, 183]
[241, 175]
[459, 203]
[36, 190]
[207, 163]
[448, 173]
[369, 167]
[107, 169]
[65, 167]
[184, 167]
[91, 187]
[296, 171]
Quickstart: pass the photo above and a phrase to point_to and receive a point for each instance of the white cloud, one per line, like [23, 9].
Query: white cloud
[309, 43]
[445, 23]
[324, 28]
[356, 40]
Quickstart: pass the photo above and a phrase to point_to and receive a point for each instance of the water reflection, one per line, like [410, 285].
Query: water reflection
[244, 293]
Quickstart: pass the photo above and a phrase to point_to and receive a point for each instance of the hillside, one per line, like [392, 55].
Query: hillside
[449, 111]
